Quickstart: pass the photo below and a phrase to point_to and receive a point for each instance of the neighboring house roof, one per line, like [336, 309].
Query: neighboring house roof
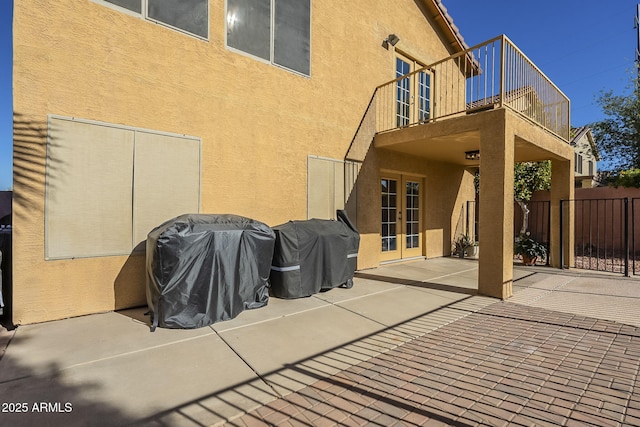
[510, 97]
[585, 131]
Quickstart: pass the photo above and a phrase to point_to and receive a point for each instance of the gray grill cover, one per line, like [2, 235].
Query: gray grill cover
[313, 255]
[202, 269]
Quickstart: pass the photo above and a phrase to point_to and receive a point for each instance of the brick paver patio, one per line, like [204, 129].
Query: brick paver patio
[506, 364]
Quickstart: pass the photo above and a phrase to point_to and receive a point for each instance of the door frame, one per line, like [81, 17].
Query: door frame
[401, 215]
[416, 89]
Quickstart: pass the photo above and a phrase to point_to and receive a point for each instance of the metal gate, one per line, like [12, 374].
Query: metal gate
[538, 228]
[604, 234]
[634, 248]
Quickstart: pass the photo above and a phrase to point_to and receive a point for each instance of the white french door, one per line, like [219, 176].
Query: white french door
[401, 217]
[413, 93]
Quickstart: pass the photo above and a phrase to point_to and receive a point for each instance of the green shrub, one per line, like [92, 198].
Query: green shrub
[526, 246]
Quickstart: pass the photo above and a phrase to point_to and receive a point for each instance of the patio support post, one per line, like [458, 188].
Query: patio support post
[495, 270]
[562, 188]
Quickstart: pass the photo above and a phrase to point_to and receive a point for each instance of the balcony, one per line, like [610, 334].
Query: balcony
[492, 75]
[482, 109]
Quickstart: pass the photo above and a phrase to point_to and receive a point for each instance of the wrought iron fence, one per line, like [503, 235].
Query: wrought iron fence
[634, 237]
[604, 232]
[538, 222]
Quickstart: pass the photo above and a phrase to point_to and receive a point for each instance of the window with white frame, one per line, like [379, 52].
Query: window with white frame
[278, 31]
[191, 16]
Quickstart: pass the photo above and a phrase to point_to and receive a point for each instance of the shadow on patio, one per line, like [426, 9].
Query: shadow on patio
[408, 340]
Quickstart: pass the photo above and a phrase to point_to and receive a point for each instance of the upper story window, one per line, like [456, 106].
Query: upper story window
[278, 31]
[191, 16]
[578, 162]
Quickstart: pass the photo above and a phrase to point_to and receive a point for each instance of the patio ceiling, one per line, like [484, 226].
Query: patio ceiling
[445, 148]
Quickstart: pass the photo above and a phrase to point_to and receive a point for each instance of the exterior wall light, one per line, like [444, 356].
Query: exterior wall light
[472, 155]
[391, 40]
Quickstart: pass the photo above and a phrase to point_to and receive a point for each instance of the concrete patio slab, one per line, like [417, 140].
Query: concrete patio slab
[426, 270]
[581, 292]
[138, 383]
[620, 287]
[273, 346]
[83, 339]
[466, 281]
[617, 309]
[275, 309]
[5, 338]
[362, 287]
[400, 305]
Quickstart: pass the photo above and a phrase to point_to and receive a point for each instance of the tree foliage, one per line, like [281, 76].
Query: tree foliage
[530, 177]
[628, 178]
[618, 135]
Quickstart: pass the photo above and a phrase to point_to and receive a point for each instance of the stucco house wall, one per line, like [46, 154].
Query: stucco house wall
[586, 158]
[256, 123]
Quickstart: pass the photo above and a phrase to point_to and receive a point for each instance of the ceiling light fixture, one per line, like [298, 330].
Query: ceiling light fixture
[472, 155]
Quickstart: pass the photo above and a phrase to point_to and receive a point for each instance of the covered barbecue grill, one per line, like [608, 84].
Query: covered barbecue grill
[202, 269]
[313, 255]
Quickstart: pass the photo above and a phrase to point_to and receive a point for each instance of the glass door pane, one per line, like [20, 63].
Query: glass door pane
[416, 87]
[403, 93]
[424, 96]
[389, 215]
[412, 215]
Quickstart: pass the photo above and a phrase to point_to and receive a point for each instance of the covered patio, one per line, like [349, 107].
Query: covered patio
[486, 108]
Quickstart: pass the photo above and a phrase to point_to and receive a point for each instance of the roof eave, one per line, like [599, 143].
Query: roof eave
[450, 30]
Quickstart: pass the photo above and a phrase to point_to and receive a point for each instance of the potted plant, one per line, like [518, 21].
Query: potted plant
[464, 245]
[529, 249]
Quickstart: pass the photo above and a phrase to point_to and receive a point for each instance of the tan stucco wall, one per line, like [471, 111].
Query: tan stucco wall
[505, 139]
[258, 123]
[447, 188]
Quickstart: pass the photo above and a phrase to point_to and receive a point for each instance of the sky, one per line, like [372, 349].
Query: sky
[584, 47]
[6, 100]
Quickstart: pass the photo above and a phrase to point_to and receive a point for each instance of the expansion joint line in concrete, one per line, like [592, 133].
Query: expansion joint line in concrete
[410, 336]
[246, 362]
[6, 346]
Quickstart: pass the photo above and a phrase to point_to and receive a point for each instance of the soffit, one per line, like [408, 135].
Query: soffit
[438, 12]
